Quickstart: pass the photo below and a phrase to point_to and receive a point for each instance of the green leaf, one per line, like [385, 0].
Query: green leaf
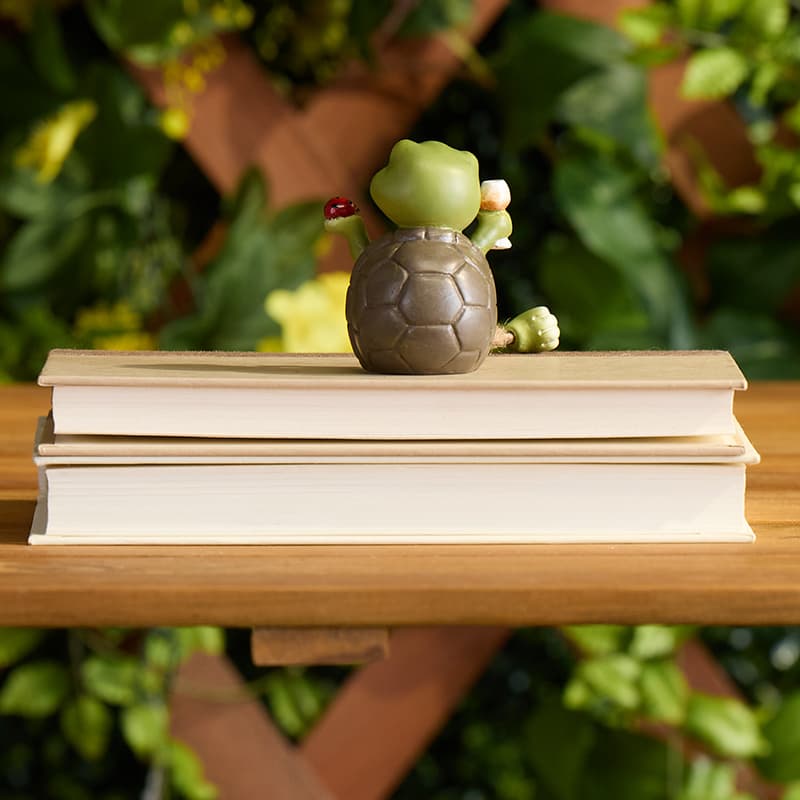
[707, 14]
[646, 26]
[259, 255]
[145, 728]
[124, 141]
[765, 77]
[746, 200]
[690, 12]
[296, 229]
[614, 103]
[709, 780]
[664, 692]
[539, 60]
[432, 16]
[47, 50]
[35, 689]
[719, 12]
[614, 677]
[363, 20]
[792, 792]
[136, 28]
[283, 706]
[39, 249]
[112, 679]
[756, 273]
[763, 347]
[782, 731]
[166, 648]
[24, 97]
[627, 766]
[792, 117]
[765, 19]
[22, 195]
[599, 640]
[202, 638]
[655, 641]
[779, 163]
[591, 296]
[246, 207]
[161, 649]
[611, 679]
[86, 724]
[186, 773]
[725, 724]
[558, 767]
[16, 643]
[714, 73]
[25, 343]
[599, 199]
[306, 700]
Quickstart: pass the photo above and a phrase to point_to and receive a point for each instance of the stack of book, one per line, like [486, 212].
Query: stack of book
[261, 448]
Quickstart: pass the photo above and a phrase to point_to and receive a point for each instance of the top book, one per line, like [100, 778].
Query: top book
[323, 396]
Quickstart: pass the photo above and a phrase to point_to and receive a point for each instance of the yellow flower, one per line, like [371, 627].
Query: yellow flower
[105, 318]
[193, 80]
[116, 327]
[221, 14]
[51, 141]
[175, 122]
[182, 33]
[242, 16]
[312, 316]
[270, 344]
[135, 340]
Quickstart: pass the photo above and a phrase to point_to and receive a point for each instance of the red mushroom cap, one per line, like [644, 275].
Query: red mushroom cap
[340, 207]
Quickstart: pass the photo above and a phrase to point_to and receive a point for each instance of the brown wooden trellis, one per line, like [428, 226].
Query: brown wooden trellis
[390, 709]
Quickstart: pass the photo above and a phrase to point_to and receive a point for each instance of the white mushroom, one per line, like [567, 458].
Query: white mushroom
[495, 195]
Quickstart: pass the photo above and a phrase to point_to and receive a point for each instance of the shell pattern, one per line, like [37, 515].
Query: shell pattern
[421, 301]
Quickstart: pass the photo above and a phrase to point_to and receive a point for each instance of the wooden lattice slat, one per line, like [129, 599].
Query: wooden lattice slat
[242, 752]
[382, 719]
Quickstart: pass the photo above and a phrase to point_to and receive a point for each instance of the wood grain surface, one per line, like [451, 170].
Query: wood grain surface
[284, 646]
[412, 585]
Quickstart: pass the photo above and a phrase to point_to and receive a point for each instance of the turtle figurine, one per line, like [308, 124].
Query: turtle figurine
[422, 299]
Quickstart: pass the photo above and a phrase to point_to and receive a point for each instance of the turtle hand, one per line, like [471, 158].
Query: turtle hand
[535, 331]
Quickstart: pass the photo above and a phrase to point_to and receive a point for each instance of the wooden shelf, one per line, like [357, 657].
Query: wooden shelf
[412, 585]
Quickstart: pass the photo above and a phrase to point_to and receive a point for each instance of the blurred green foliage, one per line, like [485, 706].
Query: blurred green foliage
[599, 231]
[102, 216]
[90, 717]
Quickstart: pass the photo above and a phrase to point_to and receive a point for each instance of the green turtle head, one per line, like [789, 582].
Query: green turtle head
[428, 183]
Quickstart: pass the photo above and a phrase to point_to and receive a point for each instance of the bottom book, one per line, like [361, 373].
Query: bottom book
[413, 499]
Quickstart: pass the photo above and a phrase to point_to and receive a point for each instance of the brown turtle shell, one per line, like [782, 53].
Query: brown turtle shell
[421, 301]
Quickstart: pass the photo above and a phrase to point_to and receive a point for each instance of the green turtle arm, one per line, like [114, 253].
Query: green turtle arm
[492, 226]
[535, 331]
[353, 229]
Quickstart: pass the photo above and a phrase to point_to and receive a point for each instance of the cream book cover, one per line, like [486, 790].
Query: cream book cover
[287, 396]
[53, 449]
[269, 499]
